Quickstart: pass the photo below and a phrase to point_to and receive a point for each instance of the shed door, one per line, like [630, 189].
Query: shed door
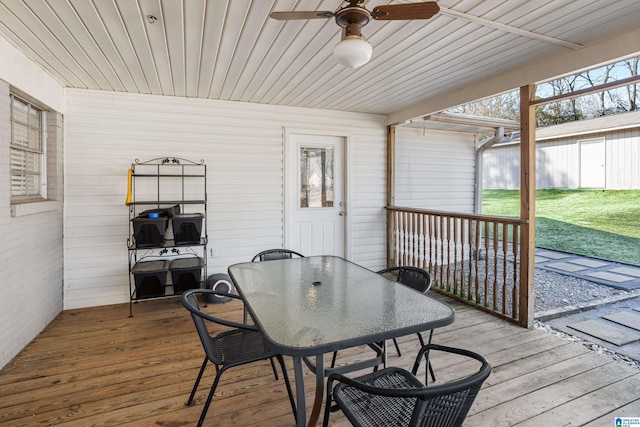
[592, 163]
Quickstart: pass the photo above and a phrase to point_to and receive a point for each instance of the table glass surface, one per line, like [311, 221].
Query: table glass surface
[318, 304]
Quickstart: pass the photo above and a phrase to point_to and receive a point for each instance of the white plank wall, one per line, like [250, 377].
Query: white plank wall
[31, 249]
[435, 169]
[242, 145]
[558, 162]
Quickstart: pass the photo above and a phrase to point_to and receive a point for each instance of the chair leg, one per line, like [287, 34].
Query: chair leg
[286, 382]
[395, 342]
[429, 366]
[327, 408]
[433, 376]
[333, 359]
[195, 386]
[203, 414]
[273, 366]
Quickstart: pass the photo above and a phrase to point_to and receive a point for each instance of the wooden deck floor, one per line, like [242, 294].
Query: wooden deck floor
[98, 367]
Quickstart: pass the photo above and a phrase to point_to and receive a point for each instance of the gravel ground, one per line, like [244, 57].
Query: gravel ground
[590, 345]
[554, 290]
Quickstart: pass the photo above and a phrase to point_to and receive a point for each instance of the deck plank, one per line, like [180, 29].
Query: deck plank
[97, 366]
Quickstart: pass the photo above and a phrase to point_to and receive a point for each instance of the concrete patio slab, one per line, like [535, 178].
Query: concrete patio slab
[629, 271]
[612, 277]
[591, 263]
[553, 254]
[541, 259]
[605, 332]
[625, 318]
[564, 266]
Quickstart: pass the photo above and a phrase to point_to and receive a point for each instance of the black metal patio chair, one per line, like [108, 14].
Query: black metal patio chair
[416, 278]
[271, 254]
[396, 397]
[238, 344]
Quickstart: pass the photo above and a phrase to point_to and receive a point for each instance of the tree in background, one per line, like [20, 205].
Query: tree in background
[613, 101]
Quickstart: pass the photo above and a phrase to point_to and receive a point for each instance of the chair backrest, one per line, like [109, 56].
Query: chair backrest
[415, 277]
[394, 395]
[190, 302]
[448, 404]
[271, 254]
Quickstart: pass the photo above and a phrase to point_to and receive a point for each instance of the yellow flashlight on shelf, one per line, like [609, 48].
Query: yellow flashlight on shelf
[128, 201]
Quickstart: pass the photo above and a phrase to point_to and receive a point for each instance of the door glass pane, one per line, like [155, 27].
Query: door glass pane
[316, 177]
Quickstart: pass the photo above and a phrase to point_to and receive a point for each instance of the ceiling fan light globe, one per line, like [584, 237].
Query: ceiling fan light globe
[352, 52]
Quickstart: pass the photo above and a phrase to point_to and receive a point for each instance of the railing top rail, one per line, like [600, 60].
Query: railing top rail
[491, 218]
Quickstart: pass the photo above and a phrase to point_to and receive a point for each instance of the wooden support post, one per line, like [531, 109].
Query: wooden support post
[391, 194]
[527, 204]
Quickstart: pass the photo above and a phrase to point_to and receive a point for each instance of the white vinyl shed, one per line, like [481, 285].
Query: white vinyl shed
[602, 153]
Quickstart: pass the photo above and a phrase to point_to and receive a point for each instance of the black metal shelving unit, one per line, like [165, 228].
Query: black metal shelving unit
[164, 183]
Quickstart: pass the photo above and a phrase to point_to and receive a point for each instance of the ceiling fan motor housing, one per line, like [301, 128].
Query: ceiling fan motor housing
[353, 15]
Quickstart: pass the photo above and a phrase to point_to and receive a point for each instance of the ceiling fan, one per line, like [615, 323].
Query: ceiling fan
[354, 51]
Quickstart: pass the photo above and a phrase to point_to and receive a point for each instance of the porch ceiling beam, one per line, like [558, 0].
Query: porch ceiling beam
[566, 62]
[508, 28]
[595, 89]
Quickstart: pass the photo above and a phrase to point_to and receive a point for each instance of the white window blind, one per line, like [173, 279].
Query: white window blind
[27, 152]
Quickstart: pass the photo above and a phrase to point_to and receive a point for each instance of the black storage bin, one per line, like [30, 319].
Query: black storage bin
[149, 232]
[187, 228]
[186, 273]
[150, 278]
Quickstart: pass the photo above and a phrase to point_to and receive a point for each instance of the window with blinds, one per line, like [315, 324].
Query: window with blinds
[27, 152]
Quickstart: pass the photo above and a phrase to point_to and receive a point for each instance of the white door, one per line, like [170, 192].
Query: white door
[315, 222]
[592, 163]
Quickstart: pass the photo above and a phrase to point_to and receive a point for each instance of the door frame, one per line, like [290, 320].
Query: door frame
[290, 174]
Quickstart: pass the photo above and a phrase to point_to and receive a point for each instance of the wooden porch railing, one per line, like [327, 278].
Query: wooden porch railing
[474, 258]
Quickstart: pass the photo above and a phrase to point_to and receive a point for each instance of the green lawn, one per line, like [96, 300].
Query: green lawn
[604, 224]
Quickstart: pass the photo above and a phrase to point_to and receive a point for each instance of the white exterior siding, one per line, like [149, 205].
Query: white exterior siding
[242, 145]
[435, 169]
[623, 159]
[31, 253]
[558, 162]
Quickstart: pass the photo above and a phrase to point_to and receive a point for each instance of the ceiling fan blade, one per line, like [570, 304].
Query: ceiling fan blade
[406, 11]
[317, 14]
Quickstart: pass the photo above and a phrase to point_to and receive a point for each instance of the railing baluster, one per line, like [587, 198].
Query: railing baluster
[402, 232]
[505, 255]
[477, 261]
[416, 240]
[495, 242]
[431, 266]
[515, 303]
[466, 254]
[397, 241]
[440, 239]
[423, 224]
[471, 236]
[486, 262]
[456, 283]
[405, 241]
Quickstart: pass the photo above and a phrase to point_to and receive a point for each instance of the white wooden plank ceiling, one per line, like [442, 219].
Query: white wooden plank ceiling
[232, 50]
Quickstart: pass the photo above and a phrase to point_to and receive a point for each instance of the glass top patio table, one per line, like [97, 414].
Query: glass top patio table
[315, 305]
[319, 304]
